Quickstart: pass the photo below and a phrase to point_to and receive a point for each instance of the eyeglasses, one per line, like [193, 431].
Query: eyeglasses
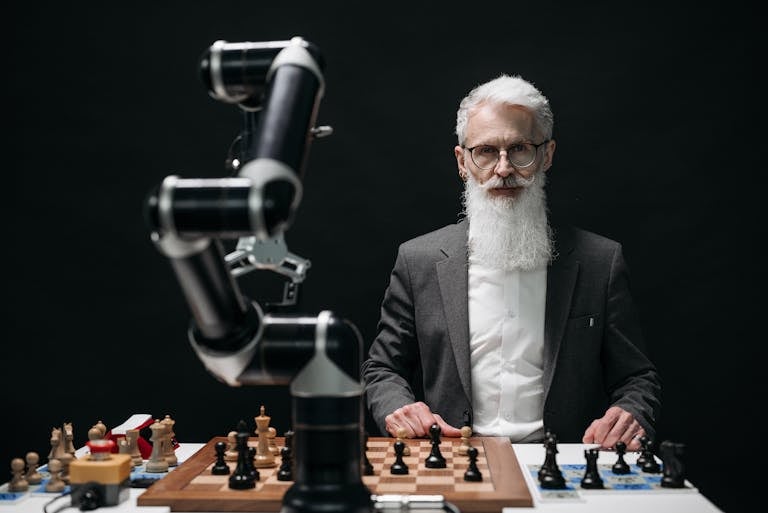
[519, 154]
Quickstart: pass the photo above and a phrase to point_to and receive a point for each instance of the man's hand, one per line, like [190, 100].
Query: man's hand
[617, 424]
[416, 419]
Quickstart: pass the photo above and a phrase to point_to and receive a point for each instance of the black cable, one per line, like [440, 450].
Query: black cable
[45, 507]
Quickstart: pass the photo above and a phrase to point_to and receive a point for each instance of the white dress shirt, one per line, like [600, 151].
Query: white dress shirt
[506, 332]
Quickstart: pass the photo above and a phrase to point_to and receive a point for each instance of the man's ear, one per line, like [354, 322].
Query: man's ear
[549, 153]
[458, 151]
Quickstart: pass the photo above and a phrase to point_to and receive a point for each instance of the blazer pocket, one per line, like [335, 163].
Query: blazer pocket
[590, 321]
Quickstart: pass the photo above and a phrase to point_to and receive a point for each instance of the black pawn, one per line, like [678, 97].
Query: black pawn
[671, 456]
[252, 463]
[399, 467]
[550, 476]
[435, 458]
[644, 448]
[367, 467]
[591, 479]
[242, 478]
[621, 466]
[220, 468]
[472, 473]
[285, 473]
[647, 462]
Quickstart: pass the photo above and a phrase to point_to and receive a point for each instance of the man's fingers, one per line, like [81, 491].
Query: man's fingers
[447, 429]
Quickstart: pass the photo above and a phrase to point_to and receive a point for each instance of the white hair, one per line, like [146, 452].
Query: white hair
[505, 89]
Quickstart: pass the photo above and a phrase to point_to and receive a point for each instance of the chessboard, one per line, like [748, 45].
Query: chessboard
[636, 481]
[192, 487]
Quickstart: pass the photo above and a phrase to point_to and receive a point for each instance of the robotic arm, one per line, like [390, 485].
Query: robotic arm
[278, 85]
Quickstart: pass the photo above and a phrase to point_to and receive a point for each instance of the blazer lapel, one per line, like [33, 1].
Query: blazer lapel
[561, 280]
[452, 279]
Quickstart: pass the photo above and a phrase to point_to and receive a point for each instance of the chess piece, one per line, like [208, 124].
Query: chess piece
[242, 478]
[647, 461]
[132, 438]
[55, 443]
[399, 467]
[231, 452]
[169, 453]
[69, 439]
[251, 463]
[94, 434]
[401, 435]
[591, 479]
[264, 456]
[102, 427]
[466, 432]
[435, 458]
[550, 476]
[220, 468]
[157, 462]
[285, 472]
[472, 473]
[621, 466]
[674, 470]
[55, 484]
[33, 460]
[367, 467]
[18, 481]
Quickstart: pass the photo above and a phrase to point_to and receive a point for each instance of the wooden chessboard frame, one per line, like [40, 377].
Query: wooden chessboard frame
[509, 485]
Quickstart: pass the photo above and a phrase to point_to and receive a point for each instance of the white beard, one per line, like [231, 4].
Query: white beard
[508, 233]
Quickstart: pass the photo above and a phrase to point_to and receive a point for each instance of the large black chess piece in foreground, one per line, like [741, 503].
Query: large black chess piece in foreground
[672, 459]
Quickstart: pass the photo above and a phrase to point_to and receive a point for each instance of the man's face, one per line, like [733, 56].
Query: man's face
[502, 126]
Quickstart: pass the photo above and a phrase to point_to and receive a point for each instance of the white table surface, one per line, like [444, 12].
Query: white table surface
[596, 501]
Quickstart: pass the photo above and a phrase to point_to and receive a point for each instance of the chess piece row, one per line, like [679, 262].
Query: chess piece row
[246, 472]
[435, 459]
[550, 476]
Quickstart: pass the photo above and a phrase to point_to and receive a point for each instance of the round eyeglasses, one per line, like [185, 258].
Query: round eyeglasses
[519, 155]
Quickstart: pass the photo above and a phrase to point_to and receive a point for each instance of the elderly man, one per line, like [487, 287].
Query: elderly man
[503, 319]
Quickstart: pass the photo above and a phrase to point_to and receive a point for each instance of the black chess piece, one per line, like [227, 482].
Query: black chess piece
[643, 456]
[252, 463]
[550, 476]
[220, 468]
[591, 479]
[242, 478]
[435, 458]
[672, 458]
[647, 461]
[621, 466]
[399, 467]
[367, 467]
[285, 473]
[472, 473]
[467, 418]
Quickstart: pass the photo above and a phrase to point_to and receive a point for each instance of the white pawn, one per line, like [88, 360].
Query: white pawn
[231, 452]
[55, 484]
[401, 436]
[18, 481]
[33, 476]
[466, 432]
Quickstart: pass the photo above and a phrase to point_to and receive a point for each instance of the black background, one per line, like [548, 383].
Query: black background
[660, 145]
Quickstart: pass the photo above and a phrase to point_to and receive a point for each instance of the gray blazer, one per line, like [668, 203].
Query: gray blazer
[594, 353]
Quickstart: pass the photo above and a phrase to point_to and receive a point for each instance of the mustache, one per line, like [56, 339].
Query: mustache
[513, 180]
